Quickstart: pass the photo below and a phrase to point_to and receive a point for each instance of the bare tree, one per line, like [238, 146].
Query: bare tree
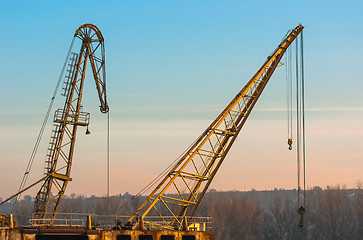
[23, 210]
[281, 222]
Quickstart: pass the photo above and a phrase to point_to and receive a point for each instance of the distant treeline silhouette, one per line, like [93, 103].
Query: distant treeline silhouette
[331, 213]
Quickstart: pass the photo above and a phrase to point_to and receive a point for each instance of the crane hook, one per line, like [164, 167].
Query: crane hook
[87, 131]
[289, 141]
[301, 212]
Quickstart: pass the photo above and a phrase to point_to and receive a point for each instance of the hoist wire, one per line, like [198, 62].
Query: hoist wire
[108, 153]
[289, 101]
[37, 142]
[108, 165]
[297, 117]
[303, 105]
[300, 118]
[288, 93]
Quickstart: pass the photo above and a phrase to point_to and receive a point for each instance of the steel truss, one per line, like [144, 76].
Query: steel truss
[66, 121]
[182, 189]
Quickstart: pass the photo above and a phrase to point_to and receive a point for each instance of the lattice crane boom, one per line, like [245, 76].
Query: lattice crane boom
[192, 174]
[66, 121]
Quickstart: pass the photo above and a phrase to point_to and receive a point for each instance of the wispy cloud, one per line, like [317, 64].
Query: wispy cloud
[320, 109]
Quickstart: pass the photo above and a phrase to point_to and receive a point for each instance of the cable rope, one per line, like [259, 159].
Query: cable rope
[37, 142]
[289, 102]
[300, 127]
[297, 118]
[108, 165]
[287, 93]
[303, 107]
[108, 153]
[160, 176]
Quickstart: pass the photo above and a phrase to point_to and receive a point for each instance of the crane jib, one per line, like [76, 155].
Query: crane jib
[193, 173]
[66, 121]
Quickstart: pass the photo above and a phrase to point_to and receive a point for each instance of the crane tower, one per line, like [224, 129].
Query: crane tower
[66, 120]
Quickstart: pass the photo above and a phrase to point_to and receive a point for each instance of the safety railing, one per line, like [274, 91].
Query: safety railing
[61, 116]
[121, 222]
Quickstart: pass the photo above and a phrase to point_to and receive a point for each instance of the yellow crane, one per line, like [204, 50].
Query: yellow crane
[182, 189]
[66, 120]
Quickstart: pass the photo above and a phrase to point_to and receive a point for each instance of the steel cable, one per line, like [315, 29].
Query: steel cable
[289, 101]
[297, 117]
[160, 176]
[37, 142]
[303, 106]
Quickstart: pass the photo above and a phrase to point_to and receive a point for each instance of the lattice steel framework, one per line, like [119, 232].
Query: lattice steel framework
[182, 189]
[61, 146]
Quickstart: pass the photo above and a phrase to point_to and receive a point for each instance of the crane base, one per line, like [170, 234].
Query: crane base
[82, 233]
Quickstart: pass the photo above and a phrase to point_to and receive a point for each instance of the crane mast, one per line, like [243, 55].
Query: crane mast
[181, 190]
[66, 120]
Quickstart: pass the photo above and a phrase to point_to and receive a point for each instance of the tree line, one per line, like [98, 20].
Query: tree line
[331, 213]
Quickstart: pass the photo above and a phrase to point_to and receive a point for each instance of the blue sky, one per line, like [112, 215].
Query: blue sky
[171, 67]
